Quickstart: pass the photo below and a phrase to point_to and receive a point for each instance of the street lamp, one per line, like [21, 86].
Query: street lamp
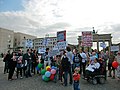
[8, 41]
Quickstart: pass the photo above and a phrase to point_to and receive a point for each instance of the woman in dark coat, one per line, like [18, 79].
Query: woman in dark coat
[12, 65]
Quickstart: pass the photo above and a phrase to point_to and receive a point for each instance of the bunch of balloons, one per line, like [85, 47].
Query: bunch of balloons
[49, 73]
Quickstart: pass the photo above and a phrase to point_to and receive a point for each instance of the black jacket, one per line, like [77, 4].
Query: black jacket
[65, 64]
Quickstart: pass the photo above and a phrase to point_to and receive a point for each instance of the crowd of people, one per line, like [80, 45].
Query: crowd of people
[74, 63]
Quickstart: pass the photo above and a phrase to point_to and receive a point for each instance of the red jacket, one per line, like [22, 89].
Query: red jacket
[76, 77]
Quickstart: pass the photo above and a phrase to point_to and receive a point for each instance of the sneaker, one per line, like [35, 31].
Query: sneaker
[109, 76]
[61, 82]
[85, 78]
[70, 83]
[21, 77]
[113, 77]
[30, 75]
[9, 79]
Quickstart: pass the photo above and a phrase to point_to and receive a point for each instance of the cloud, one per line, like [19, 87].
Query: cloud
[110, 28]
[116, 33]
[40, 17]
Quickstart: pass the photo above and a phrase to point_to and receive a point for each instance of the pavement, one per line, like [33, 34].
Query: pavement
[35, 83]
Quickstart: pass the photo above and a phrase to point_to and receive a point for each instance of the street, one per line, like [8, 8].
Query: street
[35, 83]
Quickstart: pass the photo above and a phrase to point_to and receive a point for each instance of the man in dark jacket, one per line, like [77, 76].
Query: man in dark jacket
[28, 62]
[7, 59]
[65, 67]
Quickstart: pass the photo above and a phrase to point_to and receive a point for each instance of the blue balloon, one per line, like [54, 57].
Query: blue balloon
[47, 74]
[43, 77]
[53, 67]
[37, 68]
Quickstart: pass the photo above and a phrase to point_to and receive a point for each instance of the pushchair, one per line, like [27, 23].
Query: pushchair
[99, 76]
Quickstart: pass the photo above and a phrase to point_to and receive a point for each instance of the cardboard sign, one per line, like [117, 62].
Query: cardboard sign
[61, 36]
[87, 39]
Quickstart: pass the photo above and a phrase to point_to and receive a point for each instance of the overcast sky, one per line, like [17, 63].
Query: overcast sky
[40, 17]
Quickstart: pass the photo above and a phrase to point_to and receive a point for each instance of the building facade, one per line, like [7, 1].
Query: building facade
[6, 40]
[20, 40]
[47, 42]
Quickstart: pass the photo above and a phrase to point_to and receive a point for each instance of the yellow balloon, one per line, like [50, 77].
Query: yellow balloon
[47, 67]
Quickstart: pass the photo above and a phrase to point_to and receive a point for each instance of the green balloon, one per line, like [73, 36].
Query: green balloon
[46, 79]
[43, 71]
[40, 65]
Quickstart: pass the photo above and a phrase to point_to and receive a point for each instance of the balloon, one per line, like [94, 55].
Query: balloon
[37, 68]
[47, 74]
[48, 69]
[43, 77]
[46, 79]
[43, 71]
[53, 71]
[53, 67]
[52, 77]
[40, 65]
[115, 64]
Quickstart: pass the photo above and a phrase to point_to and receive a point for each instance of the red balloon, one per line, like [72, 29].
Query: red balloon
[48, 69]
[115, 64]
[52, 77]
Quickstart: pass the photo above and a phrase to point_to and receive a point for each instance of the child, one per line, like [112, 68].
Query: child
[76, 78]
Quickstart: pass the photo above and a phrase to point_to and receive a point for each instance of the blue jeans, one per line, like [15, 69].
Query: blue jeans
[28, 71]
[65, 77]
[76, 86]
[76, 65]
[56, 75]
[70, 75]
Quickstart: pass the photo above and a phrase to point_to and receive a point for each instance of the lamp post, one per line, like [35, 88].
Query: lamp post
[9, 42]
[24, 44]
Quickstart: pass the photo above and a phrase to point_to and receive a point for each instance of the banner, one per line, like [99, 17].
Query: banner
[87, 39]
[61, 36]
